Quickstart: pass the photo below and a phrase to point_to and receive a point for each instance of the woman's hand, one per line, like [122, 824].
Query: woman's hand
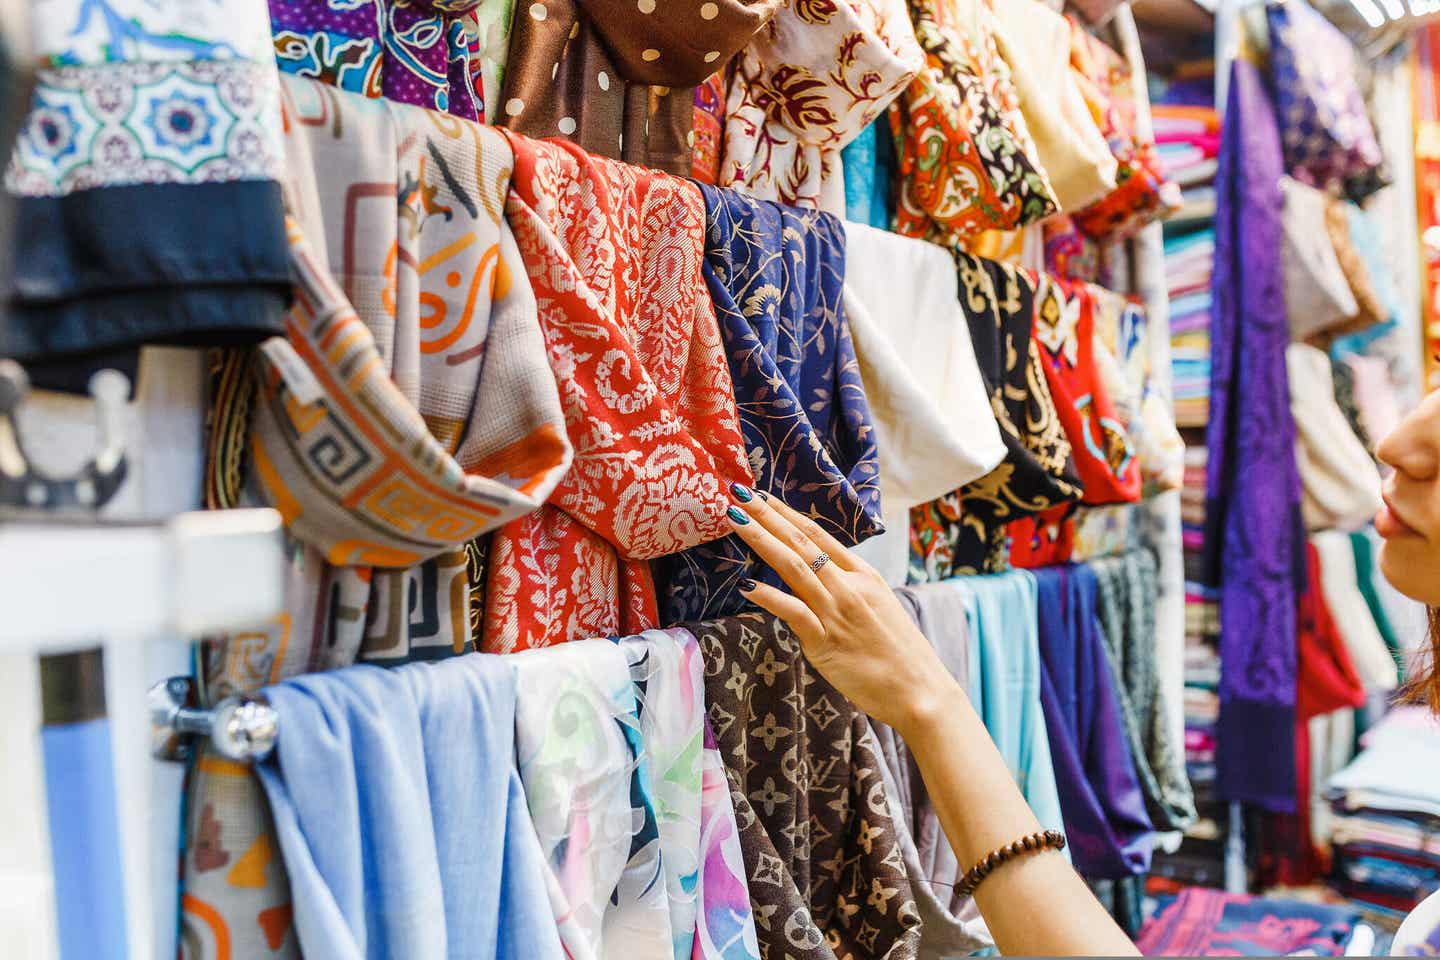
[849, 621]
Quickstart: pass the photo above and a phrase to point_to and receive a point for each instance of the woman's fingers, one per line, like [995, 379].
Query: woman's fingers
[793, 567]
[840, 555]
[763, 512]
[797, 616]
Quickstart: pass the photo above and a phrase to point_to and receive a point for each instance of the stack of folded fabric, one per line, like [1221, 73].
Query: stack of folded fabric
[1187, 135]
[1385, 834]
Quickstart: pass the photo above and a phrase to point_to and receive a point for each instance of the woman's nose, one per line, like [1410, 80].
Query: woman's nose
[1413, 448]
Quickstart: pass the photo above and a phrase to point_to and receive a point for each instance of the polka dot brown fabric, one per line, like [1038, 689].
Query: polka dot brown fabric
[618, 76]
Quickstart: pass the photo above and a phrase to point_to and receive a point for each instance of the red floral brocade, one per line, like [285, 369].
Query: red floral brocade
[614, 252]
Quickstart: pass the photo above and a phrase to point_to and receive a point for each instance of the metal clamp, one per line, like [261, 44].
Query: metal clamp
[240, 727]
[23, 487]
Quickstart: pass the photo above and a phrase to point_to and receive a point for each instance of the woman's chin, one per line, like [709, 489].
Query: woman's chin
[1408, 565]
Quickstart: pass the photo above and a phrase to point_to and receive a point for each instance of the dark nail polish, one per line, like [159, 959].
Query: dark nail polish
[737, 516]
[747, 585]
[741, 492]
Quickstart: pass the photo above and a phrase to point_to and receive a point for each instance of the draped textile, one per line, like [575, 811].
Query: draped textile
[445, 55]
[934, 426]
[700, 856]
[1100, 798]
[1033, 40]
[437, 281]
[145, 174]
[869, 165]
[1137, 388]
[1126, 607]
[617, 77]
[1064, 333]
[1373, 661]
[809, 82]
[1324, 128]
[966, 160]
[633, 344]
[951, 925]
[590, 791]
[709, 123]
[1318, 300]
[825, 874]
[375, 776]
[1367, 573]
[776, 275]
[1004, 686]
[1254, 535]
[1339, 482]
[1142, 192]
[725, 925]
[964, 532]
[1200, 922]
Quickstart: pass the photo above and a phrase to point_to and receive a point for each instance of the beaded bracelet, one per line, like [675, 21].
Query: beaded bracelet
[1042, 840]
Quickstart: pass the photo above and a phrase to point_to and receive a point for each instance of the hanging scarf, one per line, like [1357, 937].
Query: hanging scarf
[145, 175]
[445, 55]
[376, 776]
[618, 76]
[615, 254]
[1126, 607]
[1142, 193]
[966, 162]
[807, 84]
[775, 274]
[1100, 797]
[709, 127]
[1124, 359]
[1065, 334]
[1254, 538]
[951, 925]
[391, 448]
[590, 791]
[1031, 37]
[825, 874]
[935, 428]
[1339, 482]
[964, 532]
[1005, 672]
[700, 853]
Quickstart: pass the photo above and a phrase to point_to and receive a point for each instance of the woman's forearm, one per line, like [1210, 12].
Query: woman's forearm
[1034, 905]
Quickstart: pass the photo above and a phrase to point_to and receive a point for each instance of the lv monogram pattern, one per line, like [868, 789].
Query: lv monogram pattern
[826, 877]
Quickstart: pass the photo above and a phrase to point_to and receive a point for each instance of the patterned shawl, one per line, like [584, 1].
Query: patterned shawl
[1064, 333]
[445, 55]
[367, 435]
[591, 793]
[145, 173]
[614, 254]
[776, 275]
[967, 162]
[814, 77]
[964, 532]
[617, 76]
[701, 858]
[825, 874]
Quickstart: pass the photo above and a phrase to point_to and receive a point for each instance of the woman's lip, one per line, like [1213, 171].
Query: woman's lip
[1389, 524]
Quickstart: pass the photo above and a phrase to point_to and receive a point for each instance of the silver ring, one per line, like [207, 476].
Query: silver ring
[819, 562]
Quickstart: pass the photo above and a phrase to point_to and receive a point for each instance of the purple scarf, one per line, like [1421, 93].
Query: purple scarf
[1255, 542]
[1105, 820]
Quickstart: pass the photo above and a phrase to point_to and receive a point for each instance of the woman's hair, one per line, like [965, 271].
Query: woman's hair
[1424, 683]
